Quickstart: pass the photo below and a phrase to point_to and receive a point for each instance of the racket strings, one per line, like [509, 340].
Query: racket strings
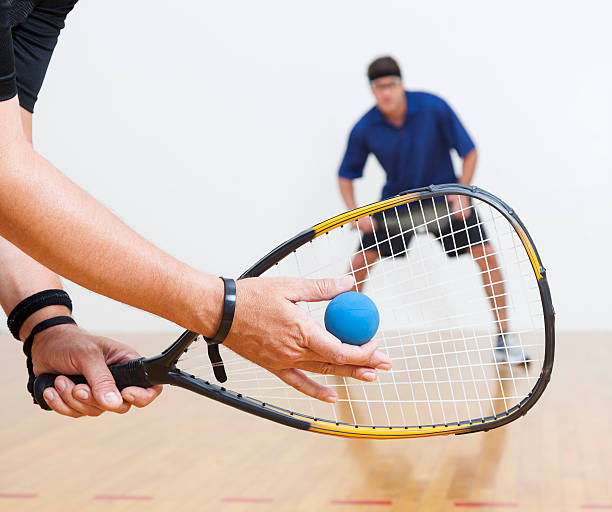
[440, 319]
[457, 290]
[454, 291]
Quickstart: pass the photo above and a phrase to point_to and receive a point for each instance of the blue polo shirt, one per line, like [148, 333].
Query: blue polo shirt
[415, 155]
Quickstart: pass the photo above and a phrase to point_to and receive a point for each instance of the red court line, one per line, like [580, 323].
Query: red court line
[596, 506]
[17, 495]
[247, 500]
[122, 497]
[361, 502]
[483, 504]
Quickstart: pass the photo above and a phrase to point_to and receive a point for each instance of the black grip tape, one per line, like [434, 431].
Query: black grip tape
[132, 373]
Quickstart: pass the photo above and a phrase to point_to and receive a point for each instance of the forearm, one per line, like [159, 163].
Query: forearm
[64, 228]
[20, 277]
[469, 167]
[347, 192]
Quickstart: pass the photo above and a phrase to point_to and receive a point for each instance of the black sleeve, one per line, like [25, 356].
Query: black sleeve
[34, 41]
[7, 60]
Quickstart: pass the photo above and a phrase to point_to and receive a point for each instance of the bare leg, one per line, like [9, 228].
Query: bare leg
[359, 266]
[493, 281]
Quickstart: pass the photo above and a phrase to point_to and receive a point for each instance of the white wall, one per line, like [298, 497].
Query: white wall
[215, 129]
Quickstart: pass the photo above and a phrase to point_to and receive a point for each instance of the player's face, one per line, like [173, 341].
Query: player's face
[389, 93]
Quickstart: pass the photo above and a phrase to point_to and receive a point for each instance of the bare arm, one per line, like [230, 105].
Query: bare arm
[351, 167]
[348, 193]
[459, 204]
[20, 277]
[65, 229]
[48, 217]
[469, 167]
[365, 224]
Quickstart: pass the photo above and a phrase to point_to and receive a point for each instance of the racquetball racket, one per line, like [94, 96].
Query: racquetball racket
[471, 338]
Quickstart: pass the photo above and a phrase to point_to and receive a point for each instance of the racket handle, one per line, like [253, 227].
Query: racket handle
[132, 373]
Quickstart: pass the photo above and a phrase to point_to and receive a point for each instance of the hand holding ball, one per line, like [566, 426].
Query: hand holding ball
[352, 317]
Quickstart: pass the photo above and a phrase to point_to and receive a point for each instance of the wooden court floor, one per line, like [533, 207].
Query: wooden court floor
[190, 454]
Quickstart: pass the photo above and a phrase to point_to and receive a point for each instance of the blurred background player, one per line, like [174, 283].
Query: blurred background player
[412, 135]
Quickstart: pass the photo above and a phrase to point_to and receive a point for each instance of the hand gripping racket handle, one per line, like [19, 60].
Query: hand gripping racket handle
[132, 373]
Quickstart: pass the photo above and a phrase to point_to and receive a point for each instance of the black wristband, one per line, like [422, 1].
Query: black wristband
[45, 324]
[229, 307]
[22, 311]
[27, 345]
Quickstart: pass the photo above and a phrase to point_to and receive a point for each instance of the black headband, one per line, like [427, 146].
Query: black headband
[381, 73]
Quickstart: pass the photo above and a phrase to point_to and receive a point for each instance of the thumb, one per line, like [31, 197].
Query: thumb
[102, 383]
[313, 290]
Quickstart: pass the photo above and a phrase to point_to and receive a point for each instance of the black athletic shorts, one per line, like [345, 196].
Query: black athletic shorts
[28, 34]
[455, 234]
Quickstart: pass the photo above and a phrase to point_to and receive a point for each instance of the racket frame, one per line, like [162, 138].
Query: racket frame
[162, 369]
[323, 426]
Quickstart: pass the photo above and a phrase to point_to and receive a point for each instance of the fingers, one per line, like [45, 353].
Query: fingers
[331, 349]
[132, 395]
[356, 372]
[78, 399]
[141, 397]
[56, 403]
[313, 290]
[68, 350]
[102, 384]
[62, 399]
[299, 381]
[83, 394]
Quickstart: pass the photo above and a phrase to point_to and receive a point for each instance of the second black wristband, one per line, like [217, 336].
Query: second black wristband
[41, 326]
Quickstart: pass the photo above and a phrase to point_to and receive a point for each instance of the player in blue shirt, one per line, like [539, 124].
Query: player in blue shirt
[412, 135]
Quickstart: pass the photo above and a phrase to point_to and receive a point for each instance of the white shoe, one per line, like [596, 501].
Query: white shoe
[508, 351]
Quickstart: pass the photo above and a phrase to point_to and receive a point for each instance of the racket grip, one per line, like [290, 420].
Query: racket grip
[132, 373]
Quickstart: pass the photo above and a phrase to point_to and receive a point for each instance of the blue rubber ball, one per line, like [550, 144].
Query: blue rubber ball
[352, 317]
